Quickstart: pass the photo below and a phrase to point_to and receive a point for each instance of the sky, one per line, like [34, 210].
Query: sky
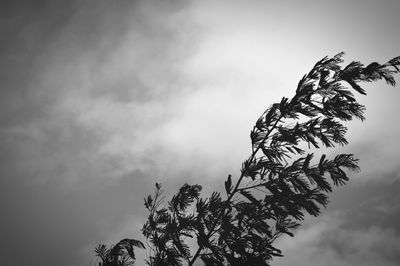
[101, 99]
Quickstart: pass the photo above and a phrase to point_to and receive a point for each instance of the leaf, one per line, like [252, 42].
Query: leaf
[321, 164]
[134, 242]
[306, 163]
[356, 87]
[298, 150]
[228, 185]
[250, 197]
[394, 63]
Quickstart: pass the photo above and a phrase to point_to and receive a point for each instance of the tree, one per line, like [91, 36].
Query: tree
[121, 254]
[279, 182]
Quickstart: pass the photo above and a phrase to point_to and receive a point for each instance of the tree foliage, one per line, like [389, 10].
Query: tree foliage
[279, 183]
[121, 254]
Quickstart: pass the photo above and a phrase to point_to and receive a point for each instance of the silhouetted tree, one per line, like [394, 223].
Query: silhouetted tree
[279, 182]
[121, 254]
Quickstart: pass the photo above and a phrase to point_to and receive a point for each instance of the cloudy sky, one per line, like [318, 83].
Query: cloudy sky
[101, 99]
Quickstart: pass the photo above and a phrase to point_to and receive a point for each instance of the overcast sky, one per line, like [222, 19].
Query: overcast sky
[101, 99]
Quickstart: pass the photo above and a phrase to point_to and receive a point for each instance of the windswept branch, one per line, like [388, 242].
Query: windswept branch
[286, 180]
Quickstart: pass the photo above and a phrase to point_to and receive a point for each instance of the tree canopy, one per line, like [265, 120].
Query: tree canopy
[279, 183]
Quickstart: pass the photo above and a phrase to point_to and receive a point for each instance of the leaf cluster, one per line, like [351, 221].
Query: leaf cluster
[168, 226]
[121, 254]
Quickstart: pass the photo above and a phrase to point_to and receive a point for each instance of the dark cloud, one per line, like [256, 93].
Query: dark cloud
[42, 36]
[71, 50]
[26, 34]
[52, 225]
[326, 241]
[57, 195]
[374, 202]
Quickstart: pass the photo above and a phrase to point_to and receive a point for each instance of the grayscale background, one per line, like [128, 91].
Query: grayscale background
[101, 99]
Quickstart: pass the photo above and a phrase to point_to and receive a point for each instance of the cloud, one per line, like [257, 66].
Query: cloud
[97, 87]
[327, 242]
[77, 102]
[101, 99]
